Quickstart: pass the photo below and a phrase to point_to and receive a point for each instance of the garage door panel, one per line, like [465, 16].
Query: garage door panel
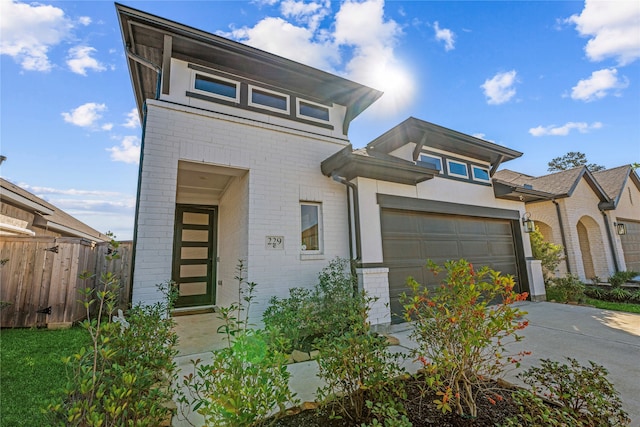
[437, 225]
[394, 222]
[398, 248]
[471, 226]
[501, 248]
[471, 248]
[631, 245]
[433, 249]
[499, 228]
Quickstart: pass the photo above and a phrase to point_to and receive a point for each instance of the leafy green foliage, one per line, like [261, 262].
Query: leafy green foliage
[580, 395]
[387, 415]
[247, 380]
[566, 289]
[325, 311]
[359, 372]
[461, 337]
[572, 159]
[619, 278]
[549, 253]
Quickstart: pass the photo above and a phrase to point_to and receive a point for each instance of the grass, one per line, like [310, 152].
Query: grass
[32, 369]
[615, 306]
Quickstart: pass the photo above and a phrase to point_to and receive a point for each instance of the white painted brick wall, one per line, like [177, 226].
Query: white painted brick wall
[375, 282]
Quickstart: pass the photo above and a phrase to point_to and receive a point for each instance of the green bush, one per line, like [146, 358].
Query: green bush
[549, 253]
[461, 337]
[579, 395]
[566, 289]
[306, 315]
[359, 372]
[619, 278]
[247, 380]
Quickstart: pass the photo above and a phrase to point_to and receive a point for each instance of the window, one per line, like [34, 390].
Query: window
[263, 98]
[432, 162]
[313, 111]
[458, 169]
[311, 227]
[217, 86]
[480, 174]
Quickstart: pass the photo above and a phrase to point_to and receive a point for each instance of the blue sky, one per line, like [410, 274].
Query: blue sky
[543, 78]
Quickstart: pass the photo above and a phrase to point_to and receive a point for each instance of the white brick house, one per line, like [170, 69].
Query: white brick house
[245, 155]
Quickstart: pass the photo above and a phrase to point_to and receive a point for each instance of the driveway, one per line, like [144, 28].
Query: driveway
[555, 331]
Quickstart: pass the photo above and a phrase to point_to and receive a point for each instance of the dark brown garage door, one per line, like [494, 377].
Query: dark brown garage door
[410, 238]
[631, 245]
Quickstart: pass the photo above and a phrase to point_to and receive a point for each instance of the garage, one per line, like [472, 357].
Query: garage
[631, 244]
[411, 237]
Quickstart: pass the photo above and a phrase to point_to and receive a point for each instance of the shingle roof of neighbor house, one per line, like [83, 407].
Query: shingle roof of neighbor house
[614, 180]
[47, 215]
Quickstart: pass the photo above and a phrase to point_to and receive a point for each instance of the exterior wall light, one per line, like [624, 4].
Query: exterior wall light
[527, 223]
[621, 228]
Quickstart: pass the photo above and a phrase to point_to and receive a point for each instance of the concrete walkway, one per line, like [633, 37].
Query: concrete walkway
[555, 331]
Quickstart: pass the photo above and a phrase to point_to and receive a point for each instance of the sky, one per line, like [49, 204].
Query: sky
[543, 78]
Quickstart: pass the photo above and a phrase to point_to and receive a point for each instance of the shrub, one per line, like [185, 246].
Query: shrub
[306, 315]
[620, 294]
[582, 395]
[549, 253]
[619, 278]
[567, 289]
[247, 380]
[461, 338]
[359, 372]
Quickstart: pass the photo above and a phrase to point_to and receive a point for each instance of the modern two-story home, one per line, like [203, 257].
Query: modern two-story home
[245, 155]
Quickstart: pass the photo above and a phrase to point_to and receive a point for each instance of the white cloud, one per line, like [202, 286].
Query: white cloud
[80, 60]
[28, 31]
[133, 119]
[43, 191]
[85, 115]
[84, 20]
[612, 27]
[311, 14]
[445, 35]
[128, 151]
[499, 89]
[482, 136]
[564, 130]
[598, 85]
[107, 126]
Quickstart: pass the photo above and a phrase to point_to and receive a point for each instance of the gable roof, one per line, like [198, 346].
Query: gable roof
[47, 215]
[556, 185]
[432, 135]
[151, 41]
[614, 180]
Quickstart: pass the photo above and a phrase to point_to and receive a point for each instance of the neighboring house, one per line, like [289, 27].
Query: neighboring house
[245, 155]
[23, 214]
[581, 211]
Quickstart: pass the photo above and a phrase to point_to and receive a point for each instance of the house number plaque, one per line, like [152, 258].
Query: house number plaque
[274, 242]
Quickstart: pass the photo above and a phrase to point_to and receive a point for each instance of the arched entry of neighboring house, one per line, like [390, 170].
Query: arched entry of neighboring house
[592, 248]
[545, 230]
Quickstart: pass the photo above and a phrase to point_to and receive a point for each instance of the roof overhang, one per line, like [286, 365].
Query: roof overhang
[346, 164]
[16, 199]
[509, 191]
[43, 222]
[151, 41]
[432, 135]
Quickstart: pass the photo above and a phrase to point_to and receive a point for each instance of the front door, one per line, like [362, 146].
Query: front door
[194, 255]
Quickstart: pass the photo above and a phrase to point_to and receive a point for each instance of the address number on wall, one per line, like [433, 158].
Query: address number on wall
[274, 242]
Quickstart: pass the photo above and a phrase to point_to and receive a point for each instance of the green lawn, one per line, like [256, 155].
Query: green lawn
[616, 306]
[30, 369]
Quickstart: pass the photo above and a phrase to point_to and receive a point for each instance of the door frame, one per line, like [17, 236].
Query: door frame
[209, 297]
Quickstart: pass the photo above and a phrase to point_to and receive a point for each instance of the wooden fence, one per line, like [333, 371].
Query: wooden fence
[39, 278]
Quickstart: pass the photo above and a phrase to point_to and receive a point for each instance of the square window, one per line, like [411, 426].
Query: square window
[311, 227]
[432, 162]
[216, 86]
[458, 169]
[269, 100]
[313, 111]
[480, 174]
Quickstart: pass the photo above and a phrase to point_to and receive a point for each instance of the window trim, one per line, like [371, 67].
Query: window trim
[313, 104]
[441, 170]
[320, 249]
[475, 178]
[266, 107]
[457, 175]
[194, 75]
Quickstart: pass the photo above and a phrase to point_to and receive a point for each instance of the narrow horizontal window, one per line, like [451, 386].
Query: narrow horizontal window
[480, 174]
[457, 169]
[271, 100]
[432, 162]
[313, 111]
[220, 87]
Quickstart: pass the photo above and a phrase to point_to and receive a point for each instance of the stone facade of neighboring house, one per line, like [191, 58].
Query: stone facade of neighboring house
[23, 214]
[581, 210]
[245, 155]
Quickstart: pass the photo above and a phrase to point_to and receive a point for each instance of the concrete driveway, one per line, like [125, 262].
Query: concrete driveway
[555, 331]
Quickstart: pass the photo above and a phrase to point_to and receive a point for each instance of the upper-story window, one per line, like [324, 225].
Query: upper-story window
[217, 86]
[312, 111]
[457, 169]
[480, 174]
[263, 98]
[434, 162]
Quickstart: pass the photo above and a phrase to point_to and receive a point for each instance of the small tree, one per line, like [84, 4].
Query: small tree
[549, 253]
[572, 159]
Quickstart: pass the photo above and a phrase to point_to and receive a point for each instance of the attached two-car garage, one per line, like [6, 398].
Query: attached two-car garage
[443, 231]
[631, 245]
